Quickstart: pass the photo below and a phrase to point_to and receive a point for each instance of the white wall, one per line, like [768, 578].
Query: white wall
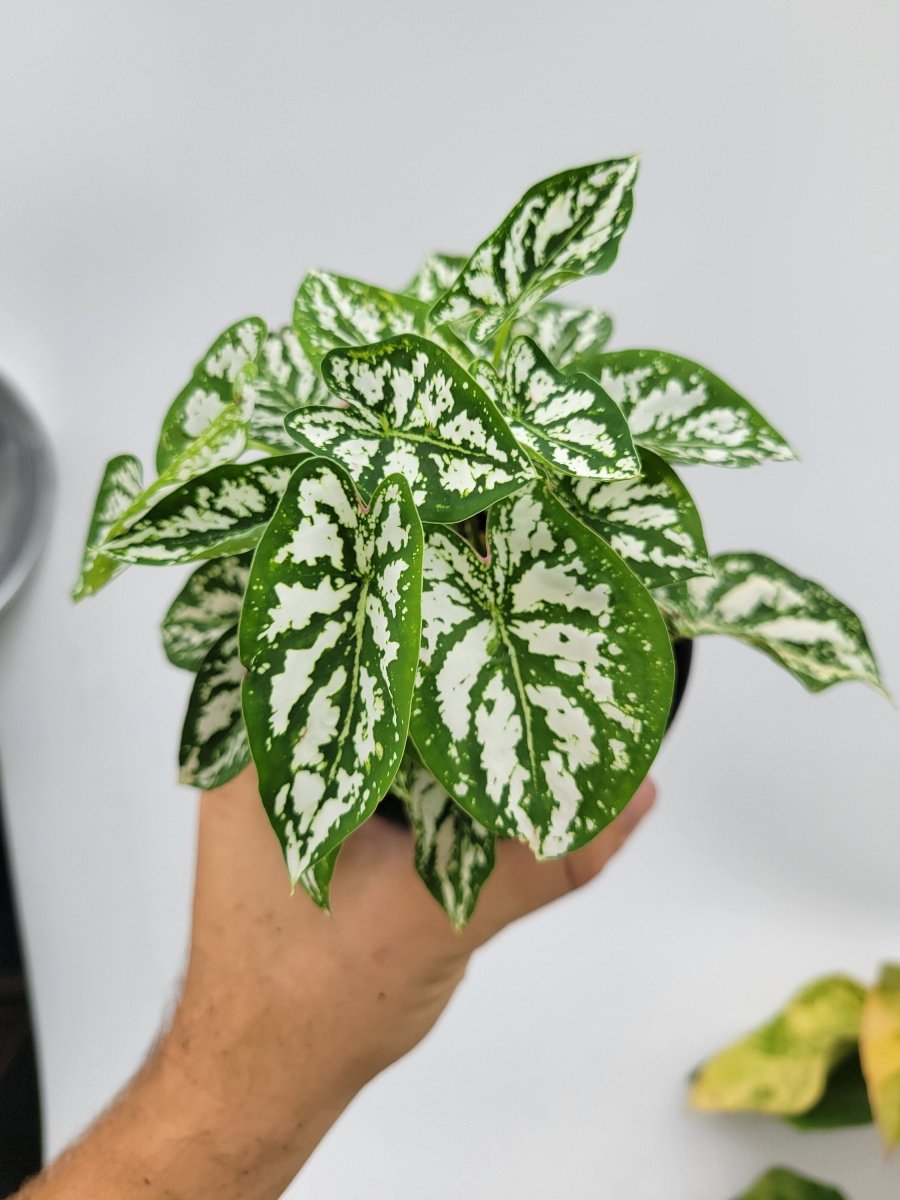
[167, 168]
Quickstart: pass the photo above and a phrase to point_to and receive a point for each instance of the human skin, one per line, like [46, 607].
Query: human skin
[286, 1013]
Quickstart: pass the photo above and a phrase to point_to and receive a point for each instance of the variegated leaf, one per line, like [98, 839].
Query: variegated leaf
[316, 882]
[207, 606]
[651, 521]
[793, 620]
[879, 1048]
[411, 409]
[780, 1183]
[562, 229]
[287, 380]
[214, 744]
[330, 634]
[570, 337]
[545, 675]
[783, 1067]
[215, 384]
[685, 413]
[221, 512]
[332, 311]
[435, 275]
[121, 484]
[565, 420]
[454, 853]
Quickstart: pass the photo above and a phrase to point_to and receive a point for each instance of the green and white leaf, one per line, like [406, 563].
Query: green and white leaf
[783, 1067]
[454, 853]
[216, 383]
[686, 414]
[214, 744]
[570, 337]
[879, 1047]
[286, 381]
[565, 420]
[331, 311]
[412, 410]
[121, 483]
[562, 229]
[221, 512]
[316, 882]
[207, 606]
[650, 521]
[545, 675]
[330, 634]
[781, 1183]
[434, 277]
[793, 620]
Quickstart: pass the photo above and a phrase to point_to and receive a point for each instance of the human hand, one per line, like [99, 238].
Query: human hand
[286, 1013]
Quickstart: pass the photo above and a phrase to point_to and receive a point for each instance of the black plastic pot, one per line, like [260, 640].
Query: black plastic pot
[392, 808]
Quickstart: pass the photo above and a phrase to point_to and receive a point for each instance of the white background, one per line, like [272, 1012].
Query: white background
[170, 167]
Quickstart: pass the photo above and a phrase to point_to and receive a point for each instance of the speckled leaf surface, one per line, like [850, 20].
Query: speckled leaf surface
[783, 1067]
[207, 606]
[286, 380]
[215, 384]
[412, 410]
[685, 413]
[651, 521]
[565, 420]
[562, 229]
[781, 1183]
[793, 620]
[570, 337]
[879, 1048]
[122, 482]
[331, 311]
[214, 744]
[454, 853]
[545, 675]
[316, 882]
[434, 277]
[223, 511]
[330, 635]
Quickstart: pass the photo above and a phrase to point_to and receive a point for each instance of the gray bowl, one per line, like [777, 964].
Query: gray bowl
[26, 491]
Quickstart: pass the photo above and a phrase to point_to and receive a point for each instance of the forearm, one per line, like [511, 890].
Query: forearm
[192, 1128]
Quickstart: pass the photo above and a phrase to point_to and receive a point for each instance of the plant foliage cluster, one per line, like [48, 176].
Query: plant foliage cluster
[441, 549]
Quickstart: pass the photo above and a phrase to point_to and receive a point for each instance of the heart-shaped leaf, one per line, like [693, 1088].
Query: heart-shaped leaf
[332, 311]
[435, 275]
[207, 606]
[214, 744]
[121, 483]
[221, 512]
[780, 1183]
[793, 620]
[287, 380]
[330, 634]
[545, 675]
[411, 409]
[215, 383]
[685, 413]
[879, 1048]
[783, 1067]
[651, 521]
[562, 229]
[570, 337]
[454, 853]
[565, 420]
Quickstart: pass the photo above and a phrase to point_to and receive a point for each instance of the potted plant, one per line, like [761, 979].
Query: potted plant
[444, 552]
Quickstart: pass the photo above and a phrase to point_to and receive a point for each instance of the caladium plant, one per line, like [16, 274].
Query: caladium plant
[443, 552]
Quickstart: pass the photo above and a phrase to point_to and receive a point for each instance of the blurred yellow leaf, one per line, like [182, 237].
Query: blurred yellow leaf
[782, 1068]
[879, 1051]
